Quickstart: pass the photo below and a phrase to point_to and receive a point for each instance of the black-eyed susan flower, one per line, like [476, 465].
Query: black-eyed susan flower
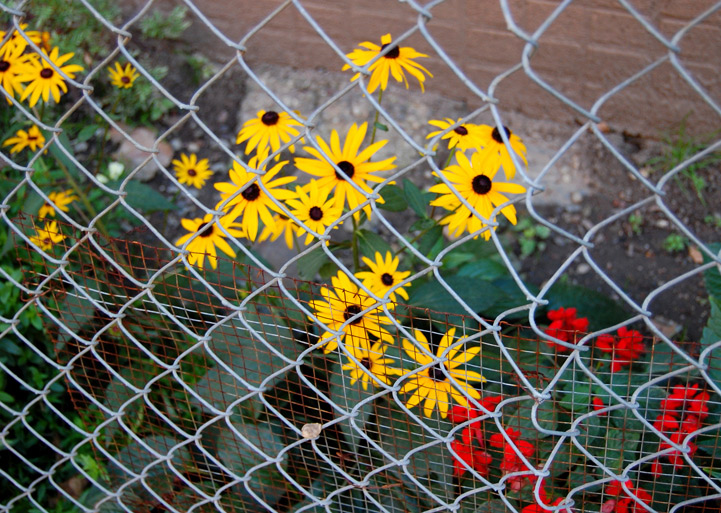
[46, 237]
[492, 140]
[123, 77]
[253, 202]
[32, 139]
[13, 64]
[474, 181]
[267, 131]
[314, 209]
[44, 80]
[352, 161]
[461, 219]
[339, 311]
[383, 276]
[209, 236]
[283, 226]
[59, 200]
[464, 137]
[395, 62]
[191, 171]
[18, 41]
[373, 361]
[437, 384]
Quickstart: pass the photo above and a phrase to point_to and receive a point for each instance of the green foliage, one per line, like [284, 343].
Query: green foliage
[142, 104]
[680, 147]
[531, 236]
[159, 25]
[713, 220]
[636, 221]
[675, 243]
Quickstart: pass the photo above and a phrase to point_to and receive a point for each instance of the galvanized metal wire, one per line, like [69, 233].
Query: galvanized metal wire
[118, 382]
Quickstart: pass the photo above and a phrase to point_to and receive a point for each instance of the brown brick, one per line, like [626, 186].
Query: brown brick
[621, 30]
[571, 24]
[685, 9]
[485, 46]
[701, 44]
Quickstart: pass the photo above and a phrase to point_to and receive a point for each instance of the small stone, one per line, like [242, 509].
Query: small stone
[81, 147]
[662, 223]
[193, 147]
[311, 430]
[222, 116]
[576, 197]
[603, 127]
[176, 143]
[668, 327]
[583, 268]
[695, 255]
[132, 156]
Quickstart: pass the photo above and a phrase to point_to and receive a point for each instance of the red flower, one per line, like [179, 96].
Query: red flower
[460, 414]
[498, 441]
[690, 424]
[676, 456]
[628, 347]
[627, 504]
[564, 326]
[666, 423]
[598, 405]
[477, 459]
[688, 400]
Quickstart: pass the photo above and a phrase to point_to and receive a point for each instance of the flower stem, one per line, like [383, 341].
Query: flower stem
[375, 120]
[354, 245]
[101, 152]
[448, 160]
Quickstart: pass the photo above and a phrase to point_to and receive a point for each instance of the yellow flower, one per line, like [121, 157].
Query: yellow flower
[383, 275]
[254, 202]
[47, 236]
[492, 140]
[462, 219]
[18, 41]
[474, 181]
[209, 235]
[269, 130]
[395, 62]
[444, 378]
[465, 136]
[339, 312]
[190, 171]
[32, 139]
[313, 208]
[373, 361]
[283, 226]
[13, 64]
[354, 163]
[123, 77]
[44, 80]
[59, 200]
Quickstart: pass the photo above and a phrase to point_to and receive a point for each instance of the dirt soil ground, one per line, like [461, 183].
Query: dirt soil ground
[585, 187]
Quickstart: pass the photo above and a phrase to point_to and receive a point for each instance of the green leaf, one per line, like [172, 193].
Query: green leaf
[251, 360]
[430, 240]
[494, 506]
[484, 269]
[415, 197]
[480, 296]
[393, 199]
[237, 453]
[76, 312]
[86, 132]
[370, 243]
[380, 126]
[620, 445]
[347, 396]
[309, 265]
[711, 335]
[712, 276]
[63, 159]
[143, 197]
[600, 310]
[136, 458]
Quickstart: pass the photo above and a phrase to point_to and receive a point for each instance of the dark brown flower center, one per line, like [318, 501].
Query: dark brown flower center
[461, 130]
[251, 193]
[481, 184]
[436, 372]
[315, 213]
[497, 135]
[270, 118]
[393, 53]
[205, 230]
[352, 311]
[125, 80]
[46, 73]
[387, 279]
[47, 240]
[366, 362]
[4, 66]
[32, 137]
[192, 172]
[347, 168]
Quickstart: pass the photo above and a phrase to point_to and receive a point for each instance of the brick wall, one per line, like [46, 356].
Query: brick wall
[591, 47]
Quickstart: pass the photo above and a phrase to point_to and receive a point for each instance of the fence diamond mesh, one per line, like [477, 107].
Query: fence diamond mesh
[149, 367]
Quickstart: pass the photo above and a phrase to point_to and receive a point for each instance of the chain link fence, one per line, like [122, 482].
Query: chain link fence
[217, 383]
